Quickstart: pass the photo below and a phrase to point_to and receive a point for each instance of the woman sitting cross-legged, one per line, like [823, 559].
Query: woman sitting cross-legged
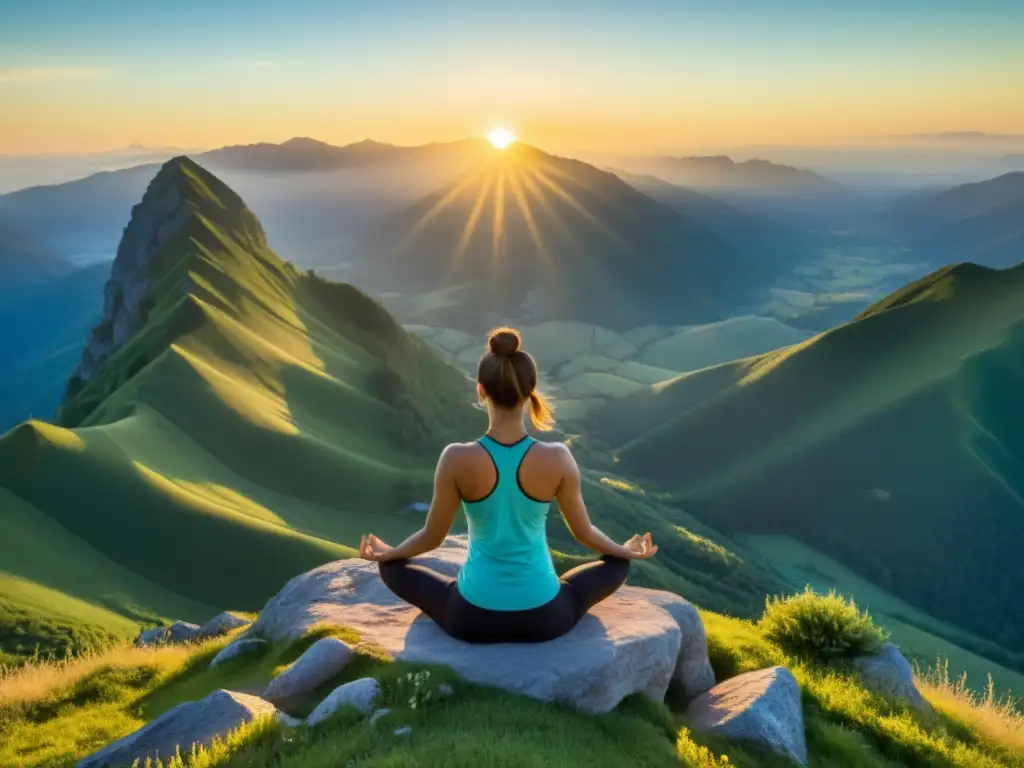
[507, 590]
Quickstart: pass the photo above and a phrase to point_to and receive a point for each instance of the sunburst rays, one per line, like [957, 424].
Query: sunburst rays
[514, 185]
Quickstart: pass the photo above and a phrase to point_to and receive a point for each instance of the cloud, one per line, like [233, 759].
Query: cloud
[38, 74]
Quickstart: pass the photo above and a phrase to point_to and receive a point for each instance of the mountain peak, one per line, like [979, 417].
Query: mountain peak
[180, 204]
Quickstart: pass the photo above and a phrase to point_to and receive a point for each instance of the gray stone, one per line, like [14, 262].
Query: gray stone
[359, 694]
[380, 713]
[322, 660]
[182, 632]
[221, 624]
[889, 673]
[760, 707]
[627, 644]
[445, 689]
[241, 647]
[288, 721]
[193, 723]
[405, 730]
[154, 636]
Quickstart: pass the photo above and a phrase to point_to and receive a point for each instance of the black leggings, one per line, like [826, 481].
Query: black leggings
[438, 597]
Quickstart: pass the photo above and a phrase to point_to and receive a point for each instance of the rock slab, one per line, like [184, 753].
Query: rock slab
[359, 694]
[221, 624]
[321, 661]
[193, 723]
[761, 707]
[889, 673]
[241, 647]
[636, 641]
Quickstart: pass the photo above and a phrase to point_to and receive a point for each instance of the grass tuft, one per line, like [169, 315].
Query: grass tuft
[820, 627]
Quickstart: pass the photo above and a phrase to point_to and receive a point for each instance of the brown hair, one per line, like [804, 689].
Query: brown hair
[508, 375]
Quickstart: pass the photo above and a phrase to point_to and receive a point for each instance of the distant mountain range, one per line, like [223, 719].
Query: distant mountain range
[767, 238]
[530, 234]
[721, 171]
[981, 222]
[893, 443]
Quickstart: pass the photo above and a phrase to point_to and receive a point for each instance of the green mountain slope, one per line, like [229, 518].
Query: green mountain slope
[528, 233]
[253, 417]
[892, 443]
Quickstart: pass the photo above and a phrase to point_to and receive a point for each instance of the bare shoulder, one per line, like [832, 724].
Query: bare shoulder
[457, 453]
[555, 452]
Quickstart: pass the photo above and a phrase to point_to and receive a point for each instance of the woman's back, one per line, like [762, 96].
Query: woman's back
[509, 566]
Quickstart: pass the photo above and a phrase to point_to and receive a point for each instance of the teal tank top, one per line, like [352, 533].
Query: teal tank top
[509, 566]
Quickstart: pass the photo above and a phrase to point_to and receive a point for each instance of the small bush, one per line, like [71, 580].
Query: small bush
[820, 627]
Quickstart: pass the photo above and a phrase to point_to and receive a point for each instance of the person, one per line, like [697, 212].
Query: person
[507, 590]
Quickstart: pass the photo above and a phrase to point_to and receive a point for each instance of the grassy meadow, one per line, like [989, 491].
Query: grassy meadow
[52, 714]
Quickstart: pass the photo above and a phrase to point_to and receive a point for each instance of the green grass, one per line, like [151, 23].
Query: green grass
[54, 716]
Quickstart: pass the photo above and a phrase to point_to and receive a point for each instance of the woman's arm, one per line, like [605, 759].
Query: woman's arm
[570, 501]
[439, 518]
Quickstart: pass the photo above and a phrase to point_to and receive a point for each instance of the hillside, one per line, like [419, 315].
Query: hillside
[783, 245]
[530, 234]
[891, 443]
[233, 411]
[23, 261]
[981, 222]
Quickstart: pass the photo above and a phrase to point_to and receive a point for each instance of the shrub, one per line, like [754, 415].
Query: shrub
[820, 627]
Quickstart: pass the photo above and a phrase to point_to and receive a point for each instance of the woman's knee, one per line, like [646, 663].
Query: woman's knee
[390, 571]
[620, 565]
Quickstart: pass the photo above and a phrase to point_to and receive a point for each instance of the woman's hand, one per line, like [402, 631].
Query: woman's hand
[641, 547]
[373, 549]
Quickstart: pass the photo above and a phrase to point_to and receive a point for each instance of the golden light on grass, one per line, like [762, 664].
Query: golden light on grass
[501, 138]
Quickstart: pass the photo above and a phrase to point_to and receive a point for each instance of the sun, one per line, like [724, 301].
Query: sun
[501, 137]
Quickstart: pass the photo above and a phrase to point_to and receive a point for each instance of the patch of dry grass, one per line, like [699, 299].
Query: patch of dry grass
[998, 719]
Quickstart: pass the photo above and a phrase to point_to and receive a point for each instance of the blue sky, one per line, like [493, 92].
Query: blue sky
[96, 73]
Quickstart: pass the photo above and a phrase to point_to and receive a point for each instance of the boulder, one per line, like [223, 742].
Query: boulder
[182, 632]
[240, 647]
[322, 660]
[193, 723]
[889, 673]
[635, 641]
[760, 707]
[359, 694]
[153, 636]
[288, 721]
[378, 714]
[221, 624]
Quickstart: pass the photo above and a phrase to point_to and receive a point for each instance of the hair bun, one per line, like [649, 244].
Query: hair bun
[504, 342]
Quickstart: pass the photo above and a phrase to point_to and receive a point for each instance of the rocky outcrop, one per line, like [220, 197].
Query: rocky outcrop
[760, 707]
[321, 661]
[359, 694]
[243, 646]
[193, 723]
[889, 673]
[183, 631]
[222, 624]
[160, 216]
[636, 641]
